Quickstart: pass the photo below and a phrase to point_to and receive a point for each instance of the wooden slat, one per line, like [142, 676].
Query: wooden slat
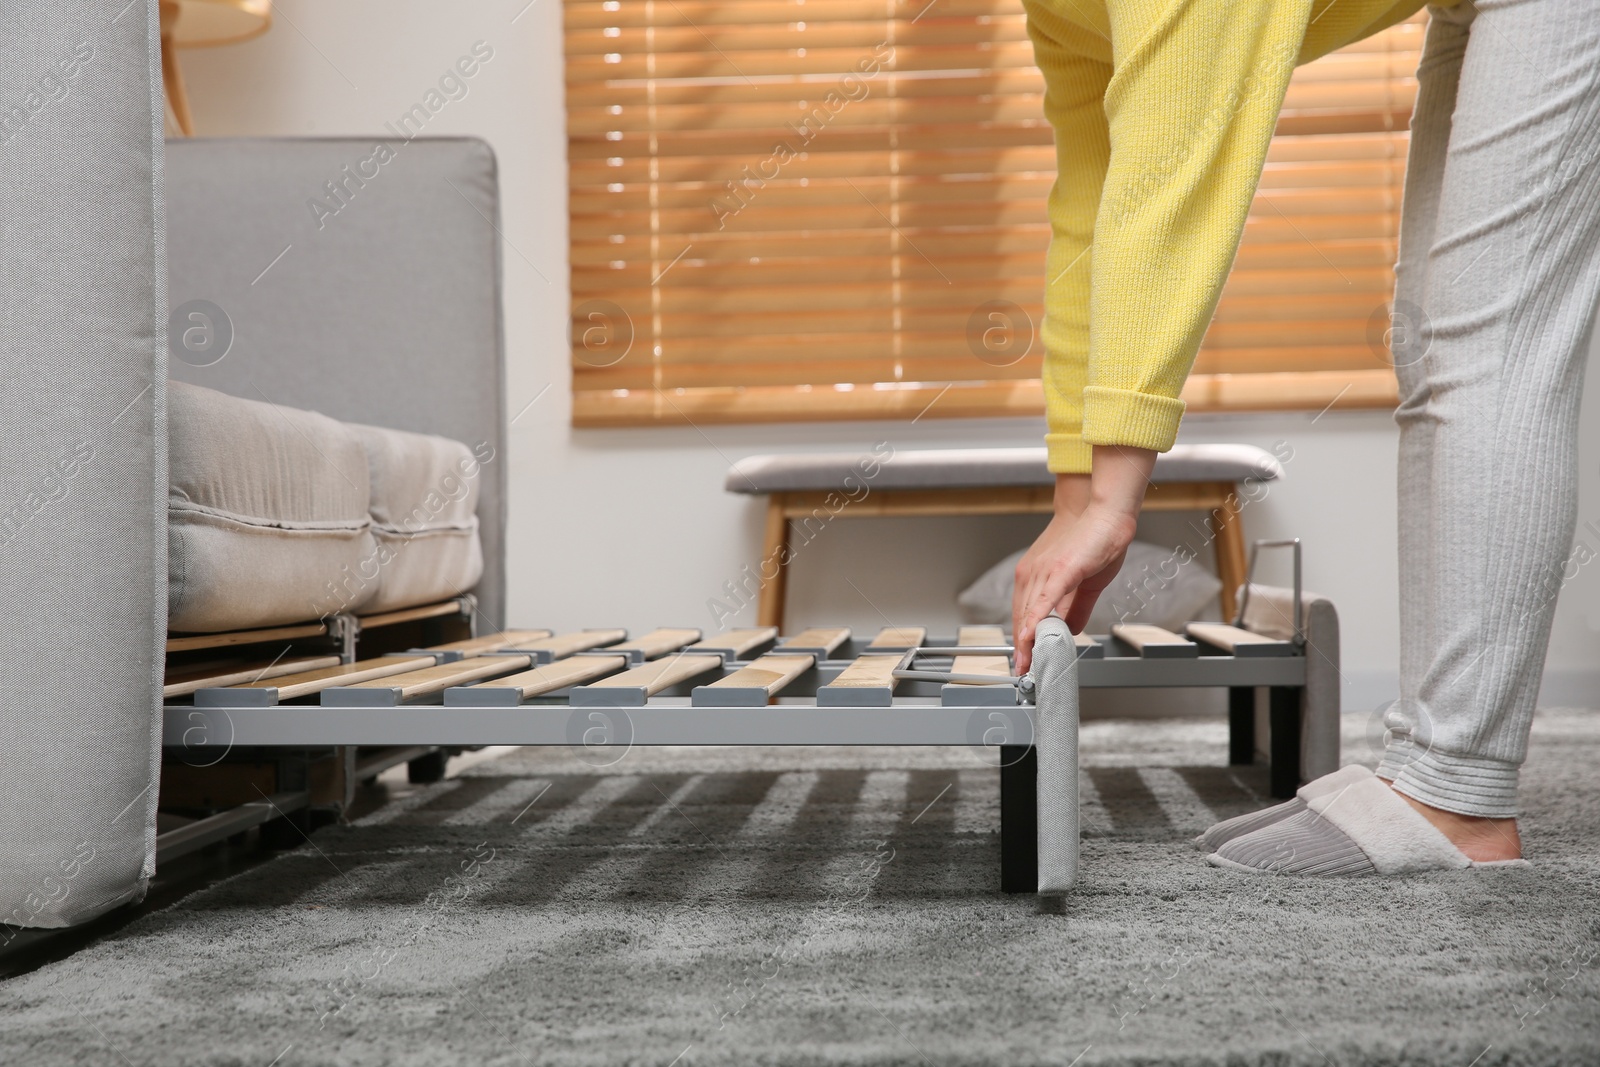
[981, 635]
[305, 683]
[898, 638]
[869, 672]
[560, 674]
[658, 642]
[215, 676]
[770, 672]
[430, 680]
[999, 666]
[1154, 642]
[478, 646]
[825, 638]
[1237, 641]
[562, 645]
[738, 642]
[661, 673]
[427, 611]
[190, 642]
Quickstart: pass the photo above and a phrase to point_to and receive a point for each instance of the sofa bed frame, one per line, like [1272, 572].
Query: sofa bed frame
[601, 690]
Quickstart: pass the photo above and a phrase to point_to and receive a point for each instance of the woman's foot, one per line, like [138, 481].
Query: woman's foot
[1366, 827]
[1481, 840]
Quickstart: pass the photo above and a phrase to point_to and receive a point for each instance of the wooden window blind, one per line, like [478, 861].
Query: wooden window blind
[821, 209]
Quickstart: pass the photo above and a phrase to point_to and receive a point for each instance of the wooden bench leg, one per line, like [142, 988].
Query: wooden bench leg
[1019, 819]
[1231, 561]
[774, 556]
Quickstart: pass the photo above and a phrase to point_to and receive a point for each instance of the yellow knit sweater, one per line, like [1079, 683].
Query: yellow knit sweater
[1163, 111]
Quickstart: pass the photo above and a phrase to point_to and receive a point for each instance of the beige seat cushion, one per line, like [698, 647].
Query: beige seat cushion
[424, 517]
[267, 519]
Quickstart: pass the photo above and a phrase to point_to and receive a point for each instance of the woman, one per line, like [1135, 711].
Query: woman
[1163, 114]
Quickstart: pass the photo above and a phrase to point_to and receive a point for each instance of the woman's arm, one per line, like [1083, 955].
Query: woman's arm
[1080, 552]
[1076, 63]
[1190, 107]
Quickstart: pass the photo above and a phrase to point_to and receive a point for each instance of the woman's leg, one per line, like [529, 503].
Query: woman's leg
[1509, 276]
[1438, 77]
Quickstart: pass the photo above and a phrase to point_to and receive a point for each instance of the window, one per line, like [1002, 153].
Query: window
[828, 209]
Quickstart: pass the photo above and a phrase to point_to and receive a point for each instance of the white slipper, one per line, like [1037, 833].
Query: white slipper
[1239, 825]
[1362, 828]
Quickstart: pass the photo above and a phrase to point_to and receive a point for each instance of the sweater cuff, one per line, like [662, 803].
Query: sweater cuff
[1131, 419]
[1068, 453]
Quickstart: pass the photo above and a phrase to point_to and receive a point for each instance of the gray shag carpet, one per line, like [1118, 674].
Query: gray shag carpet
[842, 906]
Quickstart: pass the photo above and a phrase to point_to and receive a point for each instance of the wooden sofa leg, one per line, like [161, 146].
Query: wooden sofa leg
[1019, 819]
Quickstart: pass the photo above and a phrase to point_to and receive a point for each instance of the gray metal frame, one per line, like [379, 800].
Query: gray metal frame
[928, 705]
[920, 712]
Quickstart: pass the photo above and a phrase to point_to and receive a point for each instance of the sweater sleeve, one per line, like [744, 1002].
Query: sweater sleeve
[1191, 106]
[1076, 67]
[1162, 119]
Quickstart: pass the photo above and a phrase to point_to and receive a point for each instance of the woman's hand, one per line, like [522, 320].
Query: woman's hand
[1080, 552]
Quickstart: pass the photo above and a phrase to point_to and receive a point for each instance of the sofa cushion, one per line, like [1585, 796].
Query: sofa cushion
[267, 518]
[424, 516]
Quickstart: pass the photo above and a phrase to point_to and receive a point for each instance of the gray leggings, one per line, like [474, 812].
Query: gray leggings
[1496, 287]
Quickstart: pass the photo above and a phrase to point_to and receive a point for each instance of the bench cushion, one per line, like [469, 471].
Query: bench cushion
[955, 468]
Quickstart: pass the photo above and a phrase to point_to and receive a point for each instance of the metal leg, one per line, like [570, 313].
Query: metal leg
[1241, 724]
[1284, 721]
[1019, 819]
[428, 768]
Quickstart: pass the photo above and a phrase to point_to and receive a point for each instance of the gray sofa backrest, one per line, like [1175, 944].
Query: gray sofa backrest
[358, 277]
[83, 540]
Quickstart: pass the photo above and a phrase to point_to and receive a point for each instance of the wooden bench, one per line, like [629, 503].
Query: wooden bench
[980, 481]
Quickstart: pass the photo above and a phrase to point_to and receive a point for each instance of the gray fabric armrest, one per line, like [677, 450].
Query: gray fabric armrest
[1271, 612]
[83, 433]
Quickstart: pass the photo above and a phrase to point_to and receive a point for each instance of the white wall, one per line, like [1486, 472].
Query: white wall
[632, 527]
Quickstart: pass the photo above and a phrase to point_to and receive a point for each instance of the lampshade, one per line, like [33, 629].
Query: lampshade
[202, 23]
